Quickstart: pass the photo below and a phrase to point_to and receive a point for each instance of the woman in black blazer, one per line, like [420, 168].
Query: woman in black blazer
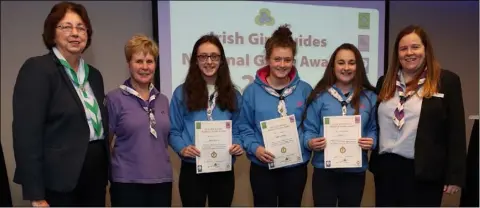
[59, 120]
[422, 145]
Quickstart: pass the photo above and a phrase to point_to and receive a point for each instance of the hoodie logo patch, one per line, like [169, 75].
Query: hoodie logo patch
[299, 104]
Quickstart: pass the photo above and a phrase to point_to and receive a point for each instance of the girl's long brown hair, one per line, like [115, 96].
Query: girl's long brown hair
[433, 67]
[195, 87]
[360, 81]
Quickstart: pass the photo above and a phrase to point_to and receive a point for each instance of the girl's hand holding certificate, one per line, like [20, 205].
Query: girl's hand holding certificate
[263, 155]
[365, 143]
[236, 150]
[190, 151]
[317, 144]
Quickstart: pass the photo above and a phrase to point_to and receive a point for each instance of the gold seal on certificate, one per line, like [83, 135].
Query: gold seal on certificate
[342, 150]
[213, 139]
[280, 136]
[342, 134]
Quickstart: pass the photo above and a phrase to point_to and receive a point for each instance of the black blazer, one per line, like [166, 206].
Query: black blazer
[440, 145]
[50, 129]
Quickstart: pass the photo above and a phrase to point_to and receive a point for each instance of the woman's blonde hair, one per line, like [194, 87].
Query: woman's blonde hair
[433, 67]
[140, 43]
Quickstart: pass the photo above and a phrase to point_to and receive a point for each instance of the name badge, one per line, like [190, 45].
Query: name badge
[439, 95]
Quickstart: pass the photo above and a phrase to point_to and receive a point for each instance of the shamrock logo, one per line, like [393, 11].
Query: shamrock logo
[264, 18]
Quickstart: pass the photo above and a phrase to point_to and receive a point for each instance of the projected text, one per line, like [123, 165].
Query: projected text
[259, 61]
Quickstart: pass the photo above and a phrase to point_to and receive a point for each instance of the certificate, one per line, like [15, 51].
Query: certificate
[213, 139]
[280, 136]
[341, 134]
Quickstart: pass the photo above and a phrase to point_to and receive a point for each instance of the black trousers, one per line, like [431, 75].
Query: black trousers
[141, 195]
[91, 186]
[396, 185]
[281, 187]
[328, 186]
[194, 188]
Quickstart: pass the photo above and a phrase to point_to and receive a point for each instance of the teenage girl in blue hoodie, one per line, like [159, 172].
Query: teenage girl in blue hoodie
[276, 86]
[208, 93]
[343, 90]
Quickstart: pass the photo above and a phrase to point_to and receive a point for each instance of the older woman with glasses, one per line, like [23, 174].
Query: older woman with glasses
[58, 117]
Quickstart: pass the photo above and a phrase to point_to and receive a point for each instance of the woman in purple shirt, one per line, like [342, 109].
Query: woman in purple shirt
[141, 173]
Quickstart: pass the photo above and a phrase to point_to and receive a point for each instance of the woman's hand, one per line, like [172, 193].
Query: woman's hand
[451, 189]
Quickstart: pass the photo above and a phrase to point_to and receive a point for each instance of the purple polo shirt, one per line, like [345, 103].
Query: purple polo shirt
[138, 157]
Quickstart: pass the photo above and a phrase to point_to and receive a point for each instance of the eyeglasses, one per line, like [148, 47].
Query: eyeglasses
[67, 28]
[204, 57]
